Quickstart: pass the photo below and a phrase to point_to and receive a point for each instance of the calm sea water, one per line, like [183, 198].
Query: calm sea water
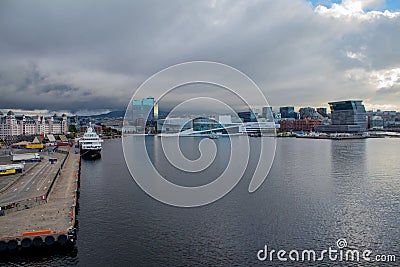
[317, 192]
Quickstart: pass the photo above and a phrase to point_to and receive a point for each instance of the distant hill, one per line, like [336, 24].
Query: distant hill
[112, 114]
[121, 113]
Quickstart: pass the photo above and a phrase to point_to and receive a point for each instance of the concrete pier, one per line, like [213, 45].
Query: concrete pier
[46, 215]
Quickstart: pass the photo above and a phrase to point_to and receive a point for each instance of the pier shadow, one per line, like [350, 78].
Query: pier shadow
[54, 255]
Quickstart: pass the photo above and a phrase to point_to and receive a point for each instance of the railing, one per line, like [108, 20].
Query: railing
[58, 172]
[22, 205]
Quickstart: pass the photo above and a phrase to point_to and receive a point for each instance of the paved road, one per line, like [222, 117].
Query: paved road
[5, 180]
[55, 214]
[32, 184]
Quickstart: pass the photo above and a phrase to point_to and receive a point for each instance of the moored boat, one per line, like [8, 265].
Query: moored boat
[90, 144]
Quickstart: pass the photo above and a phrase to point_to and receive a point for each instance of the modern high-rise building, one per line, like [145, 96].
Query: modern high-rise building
[247, 116]
[323, 112]
[306, 112]
[145, 112]
[346, 116]
[267, 113]
[287, 112]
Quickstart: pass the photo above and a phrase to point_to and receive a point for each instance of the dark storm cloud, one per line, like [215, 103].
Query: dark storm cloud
[58, 89]
[75, 55]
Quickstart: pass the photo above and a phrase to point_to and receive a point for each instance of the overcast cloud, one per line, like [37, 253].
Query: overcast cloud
[92, 55]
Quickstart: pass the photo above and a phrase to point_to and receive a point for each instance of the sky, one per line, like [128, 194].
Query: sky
[391, 5]
[90, 56]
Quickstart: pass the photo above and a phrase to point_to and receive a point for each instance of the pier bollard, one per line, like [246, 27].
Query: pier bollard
[62, 239]
[49, 240]
[3, 245]
[37, 241]
[26, 242]
[12, 244]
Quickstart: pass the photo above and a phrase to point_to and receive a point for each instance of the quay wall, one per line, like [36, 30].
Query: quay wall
[51, 229]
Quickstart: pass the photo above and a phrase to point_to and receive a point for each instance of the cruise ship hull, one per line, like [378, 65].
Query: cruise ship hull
[91, 154]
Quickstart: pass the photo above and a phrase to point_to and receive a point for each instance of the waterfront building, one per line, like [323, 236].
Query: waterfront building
[287, 112]
[145, 110]
[257, 112]
[376, 122]
[206, 124]
[391, 119]
[225, 125]
[265, 128]
[277, 116]
[307, 124]
[173, 125]
[323, 112]
[247, 116]
[306, 112]
[12, 125]
[267, 113]
[346, 116]
[144, 114]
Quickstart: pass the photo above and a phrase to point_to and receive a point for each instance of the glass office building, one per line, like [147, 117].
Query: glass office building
[347, 116]
[144, 112]
[348, 113]
[247, 116]
[287, 112]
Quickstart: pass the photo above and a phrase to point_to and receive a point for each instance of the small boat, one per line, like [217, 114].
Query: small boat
[213, 136]
[90, 144]
[287, 134]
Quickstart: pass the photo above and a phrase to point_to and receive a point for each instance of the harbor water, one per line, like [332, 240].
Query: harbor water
[317, 192]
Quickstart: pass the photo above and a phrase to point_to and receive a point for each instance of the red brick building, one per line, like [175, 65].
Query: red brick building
[299, 125]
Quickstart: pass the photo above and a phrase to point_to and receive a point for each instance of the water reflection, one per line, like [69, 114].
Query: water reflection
[358, 218]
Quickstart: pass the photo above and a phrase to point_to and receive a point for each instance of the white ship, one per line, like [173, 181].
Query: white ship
[90, 144]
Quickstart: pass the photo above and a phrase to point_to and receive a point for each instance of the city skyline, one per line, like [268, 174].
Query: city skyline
[75, 58]
[348, 116]
[44, 112]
